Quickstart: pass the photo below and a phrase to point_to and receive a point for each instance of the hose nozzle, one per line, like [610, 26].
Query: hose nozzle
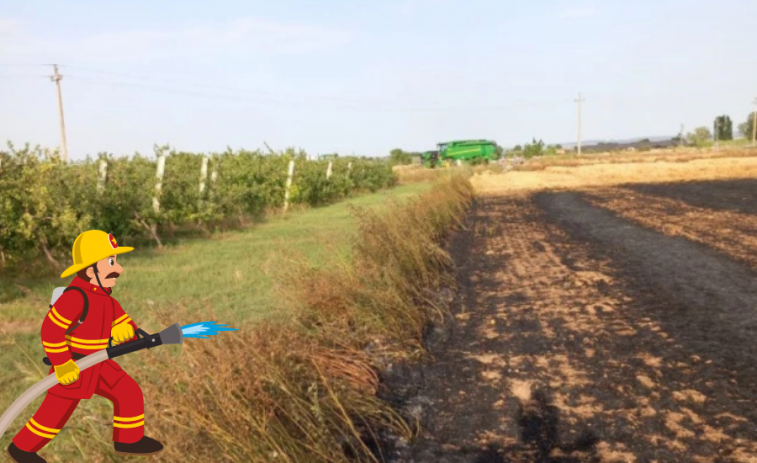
[172, 335]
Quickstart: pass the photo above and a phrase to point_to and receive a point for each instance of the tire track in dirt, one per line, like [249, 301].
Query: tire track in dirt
[713, 300]
[541, 316]
[734, 233]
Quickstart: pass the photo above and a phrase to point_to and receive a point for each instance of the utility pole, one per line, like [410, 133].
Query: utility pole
[754, 125]
[64, 149]
[579, 100]
[680, 137]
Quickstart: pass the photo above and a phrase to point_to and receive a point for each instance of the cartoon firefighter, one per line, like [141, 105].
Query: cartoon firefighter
[81, 322]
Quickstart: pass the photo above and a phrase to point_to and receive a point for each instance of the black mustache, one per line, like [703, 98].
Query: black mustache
[113, 275]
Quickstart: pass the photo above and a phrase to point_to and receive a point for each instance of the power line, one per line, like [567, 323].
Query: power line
[215, 86]
[236, 95]
[153, 83]
[23, 76]
[303, 102]
[23, 64]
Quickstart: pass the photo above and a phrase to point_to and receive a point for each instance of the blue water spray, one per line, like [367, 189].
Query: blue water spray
[204, 329]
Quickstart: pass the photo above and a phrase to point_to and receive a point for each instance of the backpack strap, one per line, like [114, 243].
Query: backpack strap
[86, 306]
[84, 312]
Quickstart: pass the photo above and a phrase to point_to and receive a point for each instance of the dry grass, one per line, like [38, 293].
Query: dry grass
[657, 155]
[417, 173]
[599, 171]
[306, 390]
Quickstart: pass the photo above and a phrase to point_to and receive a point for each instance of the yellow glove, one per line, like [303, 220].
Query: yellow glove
[67, 373]
[122, 333]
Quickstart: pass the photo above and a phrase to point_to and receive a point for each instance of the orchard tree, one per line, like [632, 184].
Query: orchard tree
[723, 128]
[701, 136]
[535, 148]
[746, 128]
[398, 156]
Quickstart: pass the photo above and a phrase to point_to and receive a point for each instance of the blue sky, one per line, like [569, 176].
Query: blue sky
[364, 76]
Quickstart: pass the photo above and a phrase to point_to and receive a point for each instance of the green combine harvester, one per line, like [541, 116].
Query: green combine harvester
[467, 151]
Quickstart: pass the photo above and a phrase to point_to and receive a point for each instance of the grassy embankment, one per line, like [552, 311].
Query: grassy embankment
[230, 276]
[298, 387]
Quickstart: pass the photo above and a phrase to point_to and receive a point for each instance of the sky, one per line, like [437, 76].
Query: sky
[363, 77]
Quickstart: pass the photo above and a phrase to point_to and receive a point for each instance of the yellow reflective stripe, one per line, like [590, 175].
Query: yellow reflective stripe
[44, 428]
[88, 347]
[55, 351]
[119, 319]
[125, 321]
[133, 418]
[51, 344]
[63, 319]
[41, 434]
[128, 426]
[87, 341]
[50, 315]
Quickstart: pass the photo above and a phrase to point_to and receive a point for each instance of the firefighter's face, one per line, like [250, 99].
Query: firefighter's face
[108, 271]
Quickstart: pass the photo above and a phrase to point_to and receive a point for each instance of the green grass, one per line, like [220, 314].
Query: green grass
[230, 275]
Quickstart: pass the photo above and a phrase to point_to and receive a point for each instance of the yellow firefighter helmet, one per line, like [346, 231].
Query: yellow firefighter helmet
[93, 246]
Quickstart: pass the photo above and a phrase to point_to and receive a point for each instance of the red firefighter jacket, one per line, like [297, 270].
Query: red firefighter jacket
[91, 336]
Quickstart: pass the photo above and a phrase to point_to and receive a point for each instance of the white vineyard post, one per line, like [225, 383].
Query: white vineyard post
[289, 185]
[102, 176]
[329, 170]
[214, 173]
[203, 174]
[159, 184]
[349, 169]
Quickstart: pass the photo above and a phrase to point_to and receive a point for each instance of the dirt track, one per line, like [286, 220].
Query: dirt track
[582, 333]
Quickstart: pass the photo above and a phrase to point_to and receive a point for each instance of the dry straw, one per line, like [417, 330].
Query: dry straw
[305, 391]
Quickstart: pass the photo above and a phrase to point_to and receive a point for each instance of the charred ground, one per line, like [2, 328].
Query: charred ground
[580, 333]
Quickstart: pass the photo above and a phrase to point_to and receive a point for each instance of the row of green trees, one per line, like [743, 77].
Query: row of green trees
[533, 149]
[722, 130]
[45, 204]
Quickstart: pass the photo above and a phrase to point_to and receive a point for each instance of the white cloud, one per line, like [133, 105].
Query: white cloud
[579, 12]
[243, 35]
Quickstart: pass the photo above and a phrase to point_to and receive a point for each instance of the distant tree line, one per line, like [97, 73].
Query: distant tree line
[722, 130]
[534, 149]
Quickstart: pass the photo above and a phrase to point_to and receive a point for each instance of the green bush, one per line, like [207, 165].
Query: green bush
[46, 203]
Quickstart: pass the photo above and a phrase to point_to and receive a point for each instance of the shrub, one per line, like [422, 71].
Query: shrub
[46, 203]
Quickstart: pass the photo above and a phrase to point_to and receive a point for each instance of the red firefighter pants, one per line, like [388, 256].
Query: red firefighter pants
[128, 415]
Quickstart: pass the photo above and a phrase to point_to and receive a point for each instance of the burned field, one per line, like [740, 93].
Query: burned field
[607, 325]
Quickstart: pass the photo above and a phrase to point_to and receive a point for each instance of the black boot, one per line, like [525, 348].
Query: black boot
[144, 446]
[19, 456]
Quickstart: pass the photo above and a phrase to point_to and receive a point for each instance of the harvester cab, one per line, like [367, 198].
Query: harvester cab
[431, 159]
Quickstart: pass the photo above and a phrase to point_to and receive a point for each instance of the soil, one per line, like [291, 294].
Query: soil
[582, 335]
[730, 195]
